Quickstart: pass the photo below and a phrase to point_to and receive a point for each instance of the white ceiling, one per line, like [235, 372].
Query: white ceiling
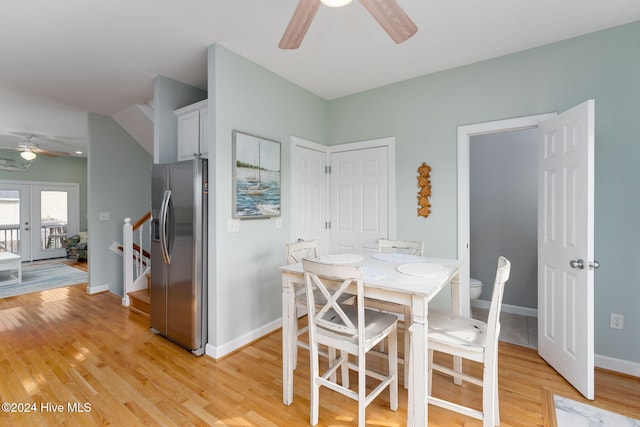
[62, 58]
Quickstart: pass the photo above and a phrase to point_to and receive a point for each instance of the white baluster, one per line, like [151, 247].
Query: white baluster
[127, 253]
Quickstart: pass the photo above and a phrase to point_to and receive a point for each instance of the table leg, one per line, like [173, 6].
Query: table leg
[456, 308]
[288, 339]
[417, 411]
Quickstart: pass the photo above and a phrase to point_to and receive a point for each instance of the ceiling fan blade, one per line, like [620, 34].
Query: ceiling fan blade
[299, 24]
[49, 153]
[392, 18]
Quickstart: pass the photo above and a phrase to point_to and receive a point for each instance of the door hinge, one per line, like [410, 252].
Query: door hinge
[327, 169]
[327, 225]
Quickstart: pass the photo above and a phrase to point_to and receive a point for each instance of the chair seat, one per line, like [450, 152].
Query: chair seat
[449, 329]
[376, 323]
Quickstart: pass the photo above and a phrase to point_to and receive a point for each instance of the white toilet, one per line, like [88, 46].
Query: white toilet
[475, 288]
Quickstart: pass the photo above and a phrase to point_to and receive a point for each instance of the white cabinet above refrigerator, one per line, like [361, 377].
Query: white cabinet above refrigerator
[192, 130]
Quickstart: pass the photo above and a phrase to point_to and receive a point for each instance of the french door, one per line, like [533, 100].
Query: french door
[36, 218]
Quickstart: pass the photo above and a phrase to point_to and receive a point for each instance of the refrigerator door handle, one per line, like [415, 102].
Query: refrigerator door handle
[164, 217]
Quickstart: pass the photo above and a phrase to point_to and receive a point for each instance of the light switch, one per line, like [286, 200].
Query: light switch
[105, 216]
[234, 225]
[278, 222]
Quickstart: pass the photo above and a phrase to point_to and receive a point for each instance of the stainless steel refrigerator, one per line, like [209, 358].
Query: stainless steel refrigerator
[179, 253]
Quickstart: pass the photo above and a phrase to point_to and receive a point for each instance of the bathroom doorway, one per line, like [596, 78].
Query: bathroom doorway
[503, 220]
[518, 321]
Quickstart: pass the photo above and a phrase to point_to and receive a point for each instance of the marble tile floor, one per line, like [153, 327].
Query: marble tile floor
[570, 413]
[515, 328]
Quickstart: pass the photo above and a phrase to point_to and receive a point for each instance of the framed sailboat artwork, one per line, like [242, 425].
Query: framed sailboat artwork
[256, 176]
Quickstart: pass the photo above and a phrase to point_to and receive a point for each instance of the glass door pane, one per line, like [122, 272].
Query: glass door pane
[53, 219]
[9, 221]
[14, 220]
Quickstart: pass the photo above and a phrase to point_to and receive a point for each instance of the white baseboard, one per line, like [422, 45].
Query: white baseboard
[617, 365]
[513, 309]
[97, 289]
[217, 352]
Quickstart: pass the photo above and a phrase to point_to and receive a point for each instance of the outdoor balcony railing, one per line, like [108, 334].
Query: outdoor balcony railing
[10, 237]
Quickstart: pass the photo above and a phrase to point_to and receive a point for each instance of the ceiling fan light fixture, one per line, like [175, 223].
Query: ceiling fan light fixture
[28, 155]
[335, 3]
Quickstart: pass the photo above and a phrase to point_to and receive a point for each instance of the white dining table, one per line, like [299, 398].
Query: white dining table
[387, 277]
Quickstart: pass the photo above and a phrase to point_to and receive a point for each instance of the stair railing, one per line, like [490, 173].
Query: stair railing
[136, 259]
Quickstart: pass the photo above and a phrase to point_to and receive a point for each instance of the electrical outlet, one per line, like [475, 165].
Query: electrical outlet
[617, 321]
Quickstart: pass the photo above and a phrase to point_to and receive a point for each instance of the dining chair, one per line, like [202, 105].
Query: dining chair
[409, 247]
[474, 340]
[351, 329]
[296, 251]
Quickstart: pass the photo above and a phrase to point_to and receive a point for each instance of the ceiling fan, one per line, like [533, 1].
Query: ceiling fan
[29, 150]
[388, 13]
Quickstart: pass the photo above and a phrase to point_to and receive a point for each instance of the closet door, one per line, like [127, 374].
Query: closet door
[343, 194]
[359, 199]
[310, 196]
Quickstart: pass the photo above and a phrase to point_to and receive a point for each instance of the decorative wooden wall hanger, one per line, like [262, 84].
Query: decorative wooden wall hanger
[424, 182]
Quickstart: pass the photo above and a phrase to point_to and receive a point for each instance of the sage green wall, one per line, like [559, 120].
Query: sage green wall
[424, 113]
[244, 284]
[55, 169]
[119, 183]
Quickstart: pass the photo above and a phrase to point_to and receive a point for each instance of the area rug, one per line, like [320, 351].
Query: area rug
[564, 412]
[41, 277]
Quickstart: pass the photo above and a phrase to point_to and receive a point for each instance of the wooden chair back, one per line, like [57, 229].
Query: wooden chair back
[332, 281]
[296, 251]
[411, 247]
[493, 321]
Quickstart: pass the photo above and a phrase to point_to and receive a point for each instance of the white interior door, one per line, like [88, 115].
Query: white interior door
[359, 199]
[566, 246]
[310, 196]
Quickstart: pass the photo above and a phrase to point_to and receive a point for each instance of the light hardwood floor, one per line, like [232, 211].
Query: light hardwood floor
[64, 347]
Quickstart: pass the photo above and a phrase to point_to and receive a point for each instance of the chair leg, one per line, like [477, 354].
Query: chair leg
[332, 357]
[362, 388]
[489, 395]
[315, 387]
[496, 406]
[393, 369]
[430, 372]
[457, 366]
[345, 369]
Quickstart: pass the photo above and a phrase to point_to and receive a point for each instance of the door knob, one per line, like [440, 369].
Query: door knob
[594, 265]
[579, 264]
